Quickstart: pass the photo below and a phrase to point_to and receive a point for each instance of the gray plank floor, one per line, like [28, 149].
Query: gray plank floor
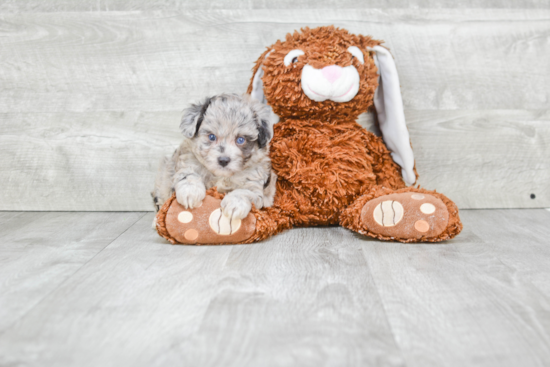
[102, 289]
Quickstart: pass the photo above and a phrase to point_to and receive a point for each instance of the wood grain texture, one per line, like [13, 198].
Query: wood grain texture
[108, 160]
[85, 161]
[484, 159]
[308, 297]
[128, 5]
[155, 61]
[303, 298]
[40, 251]
[90, 101]
[137, 299]
[480, 299]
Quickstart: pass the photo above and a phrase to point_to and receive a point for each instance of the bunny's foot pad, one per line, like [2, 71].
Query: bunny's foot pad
[205, 225]
[408, 215]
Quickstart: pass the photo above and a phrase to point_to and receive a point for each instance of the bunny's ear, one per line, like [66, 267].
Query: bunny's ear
[256, 87]
[391, 117]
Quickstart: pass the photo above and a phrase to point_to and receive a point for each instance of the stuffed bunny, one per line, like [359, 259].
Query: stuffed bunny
[330, 170]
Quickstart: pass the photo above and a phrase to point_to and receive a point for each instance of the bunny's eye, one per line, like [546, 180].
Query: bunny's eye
[212, 137]
[356, 53]
[292, 56]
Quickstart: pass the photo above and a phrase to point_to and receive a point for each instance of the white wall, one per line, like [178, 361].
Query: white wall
[91, 91]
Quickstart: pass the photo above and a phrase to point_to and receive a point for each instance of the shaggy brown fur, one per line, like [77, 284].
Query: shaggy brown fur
[328, 166]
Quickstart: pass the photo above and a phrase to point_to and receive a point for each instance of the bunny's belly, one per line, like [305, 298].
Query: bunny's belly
[330, 164]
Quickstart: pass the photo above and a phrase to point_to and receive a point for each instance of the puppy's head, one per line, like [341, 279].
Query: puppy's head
[227, 132]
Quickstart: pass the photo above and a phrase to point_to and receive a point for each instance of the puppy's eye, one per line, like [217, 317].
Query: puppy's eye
[212, 137]
[294, 60]
[240, 140]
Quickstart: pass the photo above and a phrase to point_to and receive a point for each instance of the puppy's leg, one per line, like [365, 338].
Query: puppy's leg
[163, 182]
[190, 189]
[256, 190]
[237, 203]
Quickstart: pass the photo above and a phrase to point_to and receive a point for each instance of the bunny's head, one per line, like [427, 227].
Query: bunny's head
[329, 74]
[324, 71]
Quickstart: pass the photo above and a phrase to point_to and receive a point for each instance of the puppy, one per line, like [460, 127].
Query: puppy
[226, 144]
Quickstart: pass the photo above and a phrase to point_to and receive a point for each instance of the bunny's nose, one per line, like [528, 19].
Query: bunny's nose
[332, 73]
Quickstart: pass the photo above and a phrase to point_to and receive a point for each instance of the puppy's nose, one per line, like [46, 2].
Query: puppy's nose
[224, 161]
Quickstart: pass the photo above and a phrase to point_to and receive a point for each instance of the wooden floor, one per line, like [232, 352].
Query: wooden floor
[102, 289]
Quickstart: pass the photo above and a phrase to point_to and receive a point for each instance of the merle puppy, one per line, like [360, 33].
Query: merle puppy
[226, 144]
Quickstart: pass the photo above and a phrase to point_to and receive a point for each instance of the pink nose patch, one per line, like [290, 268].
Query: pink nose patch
[332, 73]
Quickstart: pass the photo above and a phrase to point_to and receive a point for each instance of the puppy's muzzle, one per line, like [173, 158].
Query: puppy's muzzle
[224, 161]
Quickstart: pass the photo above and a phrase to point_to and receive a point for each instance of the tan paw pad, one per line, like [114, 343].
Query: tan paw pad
[405, 215]
[427, 208]
[388, 213]
[222, 224]
[191, 234]
[422, 226]
[185, 217]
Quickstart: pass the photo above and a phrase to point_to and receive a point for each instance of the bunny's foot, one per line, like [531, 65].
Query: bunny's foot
[203, 225]
[406, 215]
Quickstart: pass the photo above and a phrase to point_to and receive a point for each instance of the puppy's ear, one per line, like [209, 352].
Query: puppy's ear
[391, 117]
[192, 118]
[264, 119]
[265, 132]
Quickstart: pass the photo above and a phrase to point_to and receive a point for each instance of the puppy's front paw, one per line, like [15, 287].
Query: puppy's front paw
[190, 196]
[235, 207]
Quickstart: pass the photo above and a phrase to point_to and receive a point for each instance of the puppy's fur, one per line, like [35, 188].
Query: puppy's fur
[212, 154]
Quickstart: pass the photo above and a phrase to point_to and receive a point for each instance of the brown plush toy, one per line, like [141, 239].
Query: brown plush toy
[331, 171]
